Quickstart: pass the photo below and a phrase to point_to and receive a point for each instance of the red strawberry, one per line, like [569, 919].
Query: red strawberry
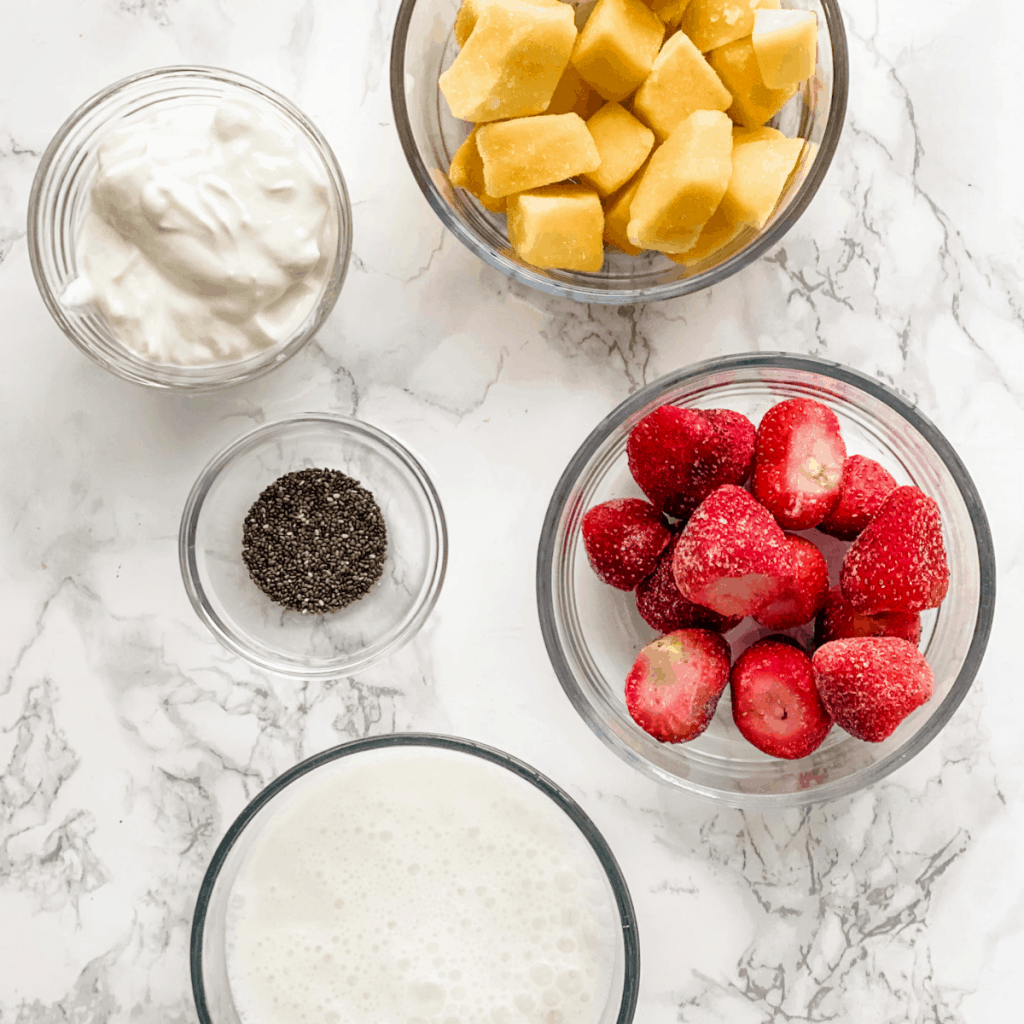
[673, 688]
[731, 556]
[679, 456]
[798, 462]
[662, 450]
[775, 703]
[898, 564]
[623, 539]
[663, 608]
[800, 600]
[732, 456]
[862, 492]
[869, 684]
[839, 620]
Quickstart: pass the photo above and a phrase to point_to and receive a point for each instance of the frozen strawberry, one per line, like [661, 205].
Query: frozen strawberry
[775, 703]
[673, 688]
[869, 684]
[662, 450]
[799, 601]
[731, 556]
[898, 563]
[679, 456]
[663, 608]
[862, 491]
[729, 457]
[798, 462]
[623, 539]
[839, 620]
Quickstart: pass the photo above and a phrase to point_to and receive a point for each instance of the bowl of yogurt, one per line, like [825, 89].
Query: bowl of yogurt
[414, 878]
[189, 228]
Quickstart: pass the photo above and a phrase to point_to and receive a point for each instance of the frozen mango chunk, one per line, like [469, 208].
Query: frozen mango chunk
[766, 5]
[616, 215]
[740, 134]
[753, 103]
[558, 227]
[467, 171]
[617, 46]
[713, 23]
[528, 152]
[681, 81]
[785, 45]
[683, 184]
[760, 170]
[469, 11]
[670, 11]
[719, 231]
[573, 95]
[511, 60]
[623, 143]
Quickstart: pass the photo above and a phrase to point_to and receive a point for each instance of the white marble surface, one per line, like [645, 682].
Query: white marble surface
[129, 739]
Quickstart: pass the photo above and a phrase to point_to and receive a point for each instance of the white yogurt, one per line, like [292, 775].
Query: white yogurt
[208, 233]
[416, 885]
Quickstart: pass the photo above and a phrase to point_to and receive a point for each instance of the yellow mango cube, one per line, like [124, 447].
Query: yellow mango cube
[683, 184]
[511, 60]
[623, 143]
[558, 227]
[527, 152]
[467, 171]
[573, 96]
[760, 170]
[766, 5]
[785, 45]
[719, 231]
[740, 134]
[753, 103]
[616, 215]
[617, 46]
[469, 11]
[680, 82]
[713, 23]
[670, 11]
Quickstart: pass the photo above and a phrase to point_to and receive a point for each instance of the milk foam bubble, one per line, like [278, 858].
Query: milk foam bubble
[416, 885]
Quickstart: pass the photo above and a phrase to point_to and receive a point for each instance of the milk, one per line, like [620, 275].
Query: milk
[416, 885]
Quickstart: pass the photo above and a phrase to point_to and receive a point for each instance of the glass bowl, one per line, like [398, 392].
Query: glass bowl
[424, 45]
[59, 202]
[211, 979]
[593, 632]
[279, 640]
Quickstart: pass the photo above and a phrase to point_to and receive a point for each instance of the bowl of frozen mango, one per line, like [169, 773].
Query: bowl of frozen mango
[624, 150]
[595, 632]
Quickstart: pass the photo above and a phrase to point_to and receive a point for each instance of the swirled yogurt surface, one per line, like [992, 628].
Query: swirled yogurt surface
[421, 886]
[208, 234]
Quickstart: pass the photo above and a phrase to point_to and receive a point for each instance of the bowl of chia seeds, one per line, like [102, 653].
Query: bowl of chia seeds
[313, 546]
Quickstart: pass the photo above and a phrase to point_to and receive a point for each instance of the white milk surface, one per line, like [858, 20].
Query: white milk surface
[415, 885]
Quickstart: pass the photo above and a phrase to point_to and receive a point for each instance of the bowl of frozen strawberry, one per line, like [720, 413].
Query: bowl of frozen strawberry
[766, 579]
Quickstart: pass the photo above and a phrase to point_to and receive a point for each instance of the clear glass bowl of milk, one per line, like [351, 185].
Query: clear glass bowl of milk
[414, 879]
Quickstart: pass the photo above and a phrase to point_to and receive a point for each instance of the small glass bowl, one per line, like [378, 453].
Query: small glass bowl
[272, 637]
[424, 45]
[593, 632]
[59, 202]
[211, 988]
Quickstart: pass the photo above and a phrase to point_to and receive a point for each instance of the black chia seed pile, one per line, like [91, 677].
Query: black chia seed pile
[314, 541]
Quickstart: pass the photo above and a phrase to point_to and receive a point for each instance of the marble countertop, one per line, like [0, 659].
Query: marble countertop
[129, 738]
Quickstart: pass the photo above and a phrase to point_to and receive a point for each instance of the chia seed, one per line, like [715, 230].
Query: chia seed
[314, 541]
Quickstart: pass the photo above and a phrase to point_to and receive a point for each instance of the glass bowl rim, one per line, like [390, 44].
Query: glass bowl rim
[347, 426]
[572, 810]
[34, 230]
[624, 296]
[877, 390]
